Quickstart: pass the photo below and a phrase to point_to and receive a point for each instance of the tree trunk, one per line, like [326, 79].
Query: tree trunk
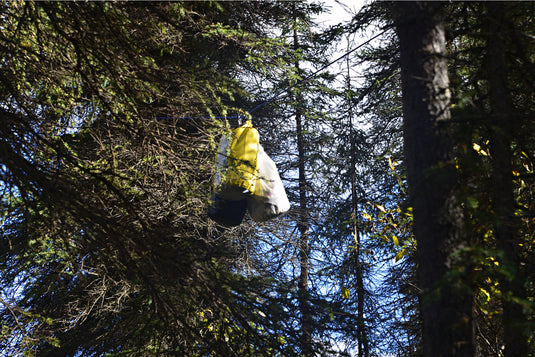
[363, 349]
[303, 226]
[501, 106]
[446, 305]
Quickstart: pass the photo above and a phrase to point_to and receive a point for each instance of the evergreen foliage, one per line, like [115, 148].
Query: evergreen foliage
[111, 113]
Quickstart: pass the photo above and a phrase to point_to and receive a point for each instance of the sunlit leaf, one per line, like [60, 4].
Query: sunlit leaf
[485, 294]
[345, 293]
[400, 254]
[479, 149]
[392, 163]
[380, 208]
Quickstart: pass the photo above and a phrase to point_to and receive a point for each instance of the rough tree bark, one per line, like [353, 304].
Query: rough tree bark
[438, 218]
[506, 224]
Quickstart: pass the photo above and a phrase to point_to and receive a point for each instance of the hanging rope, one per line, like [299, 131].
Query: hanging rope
[239, 117]
[205, 117]
[315, 73]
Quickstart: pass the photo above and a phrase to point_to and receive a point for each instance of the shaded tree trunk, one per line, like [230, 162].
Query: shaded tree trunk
[302, 224]
[505, 223]
[446, 305]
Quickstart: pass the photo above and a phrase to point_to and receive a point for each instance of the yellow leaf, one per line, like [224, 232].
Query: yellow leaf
[379, 207]
[479, 150]
[400, 255]
[485, 294]
[367, 216]
[392, 163]
[345, 293]
[395, 240]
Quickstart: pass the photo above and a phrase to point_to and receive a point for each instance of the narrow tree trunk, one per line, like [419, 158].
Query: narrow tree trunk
[501, 106]
[363, 349]
[438, 218]
[303, 226]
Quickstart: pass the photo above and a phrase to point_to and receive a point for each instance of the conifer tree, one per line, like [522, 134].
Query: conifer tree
[106, 161]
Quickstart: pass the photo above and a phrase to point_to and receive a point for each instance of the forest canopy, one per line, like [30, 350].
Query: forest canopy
[408, 162]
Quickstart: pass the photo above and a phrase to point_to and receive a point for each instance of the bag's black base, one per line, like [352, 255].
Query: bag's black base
[226, 212]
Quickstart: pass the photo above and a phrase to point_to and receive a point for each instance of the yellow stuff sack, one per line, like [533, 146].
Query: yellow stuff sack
[237, 163]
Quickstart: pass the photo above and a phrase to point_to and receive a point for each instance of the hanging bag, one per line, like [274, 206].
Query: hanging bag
[236, 163]
[269, 199]
[226, 212]
[235, 176]
[246, 179]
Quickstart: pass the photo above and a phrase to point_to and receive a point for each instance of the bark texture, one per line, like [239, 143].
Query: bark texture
[446, 304]
[505, 224]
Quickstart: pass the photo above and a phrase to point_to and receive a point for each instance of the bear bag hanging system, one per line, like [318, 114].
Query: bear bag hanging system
[246, 179]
